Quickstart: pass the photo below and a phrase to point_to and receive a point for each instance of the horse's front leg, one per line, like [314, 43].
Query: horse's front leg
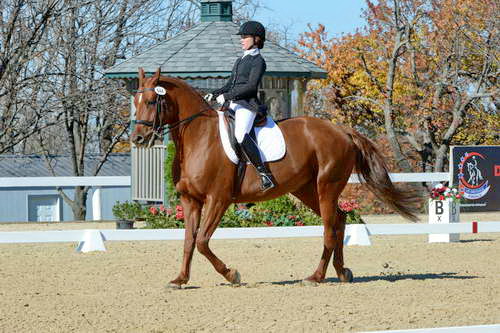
[213, 211]
[192, 214]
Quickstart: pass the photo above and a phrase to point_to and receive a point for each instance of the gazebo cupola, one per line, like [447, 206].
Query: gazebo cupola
[216, 10]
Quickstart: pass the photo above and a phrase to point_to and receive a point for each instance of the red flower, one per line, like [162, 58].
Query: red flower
[299, 224]
[346, 206]
[441, 197]
[162, 209]
[269, 223]
[153, 210]
[458, 196]
[179, 215]
[169, 211]
[179, 208]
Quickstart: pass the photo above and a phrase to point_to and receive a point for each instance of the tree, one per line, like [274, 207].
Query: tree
[94, 110]
[54, 98]
[422, 73]
[24, 108]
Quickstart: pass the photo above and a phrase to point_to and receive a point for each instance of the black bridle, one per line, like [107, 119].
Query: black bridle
[158, 129]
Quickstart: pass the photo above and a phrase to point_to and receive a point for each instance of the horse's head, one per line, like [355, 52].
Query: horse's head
[154, 108]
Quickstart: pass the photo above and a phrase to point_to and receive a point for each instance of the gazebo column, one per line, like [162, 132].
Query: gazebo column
[297, 97]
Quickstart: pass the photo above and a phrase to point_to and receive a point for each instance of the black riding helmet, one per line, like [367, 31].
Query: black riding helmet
[253, 28]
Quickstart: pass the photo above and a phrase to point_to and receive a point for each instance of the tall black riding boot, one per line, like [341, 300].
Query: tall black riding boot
[251, 151]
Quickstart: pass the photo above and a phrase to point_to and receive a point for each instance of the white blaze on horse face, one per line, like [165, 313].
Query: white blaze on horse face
[140, 97]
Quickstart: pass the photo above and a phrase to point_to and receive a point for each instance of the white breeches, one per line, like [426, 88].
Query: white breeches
[243, 121]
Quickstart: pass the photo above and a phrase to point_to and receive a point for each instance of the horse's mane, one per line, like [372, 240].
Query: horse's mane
[181, 84]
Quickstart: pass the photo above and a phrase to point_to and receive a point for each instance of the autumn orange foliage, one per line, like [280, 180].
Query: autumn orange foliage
[424, 70]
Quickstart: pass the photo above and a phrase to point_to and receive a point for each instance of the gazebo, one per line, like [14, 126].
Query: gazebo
[203, 56]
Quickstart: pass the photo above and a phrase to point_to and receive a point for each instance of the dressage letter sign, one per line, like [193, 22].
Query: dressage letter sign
[444, 211]
[476, 173]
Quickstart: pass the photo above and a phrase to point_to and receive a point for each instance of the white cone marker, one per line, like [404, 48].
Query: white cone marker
[357, 234]
[92, 240]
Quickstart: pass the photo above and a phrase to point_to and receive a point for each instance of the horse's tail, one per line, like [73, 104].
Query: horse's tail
[374, 173]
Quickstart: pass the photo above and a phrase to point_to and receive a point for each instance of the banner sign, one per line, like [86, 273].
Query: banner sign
[476, 173]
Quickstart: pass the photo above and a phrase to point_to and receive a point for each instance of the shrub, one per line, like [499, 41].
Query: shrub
[173, 195]
[128, 211]
[164, 218]
[278, 212]
[351, 209]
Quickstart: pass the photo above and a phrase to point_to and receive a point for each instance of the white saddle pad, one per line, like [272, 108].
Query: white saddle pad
[269, 139]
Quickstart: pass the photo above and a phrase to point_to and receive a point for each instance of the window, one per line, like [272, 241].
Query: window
[214, 8]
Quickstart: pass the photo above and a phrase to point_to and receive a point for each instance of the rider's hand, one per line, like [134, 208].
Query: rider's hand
[208, 97]
[221, 99]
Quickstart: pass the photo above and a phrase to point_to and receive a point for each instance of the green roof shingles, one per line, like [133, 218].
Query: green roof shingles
[209, 49]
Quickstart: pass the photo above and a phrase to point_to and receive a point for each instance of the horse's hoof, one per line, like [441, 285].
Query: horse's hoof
[309, 283]
[172, 285]
[347, 276]
[234, 277]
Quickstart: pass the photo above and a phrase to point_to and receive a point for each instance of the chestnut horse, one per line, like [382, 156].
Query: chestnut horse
[316, 167]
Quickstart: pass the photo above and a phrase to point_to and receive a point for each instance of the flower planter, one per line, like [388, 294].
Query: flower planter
[444, 211]
[124, 224]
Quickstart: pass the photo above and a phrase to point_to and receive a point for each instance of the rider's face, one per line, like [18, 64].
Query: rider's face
[247, 42]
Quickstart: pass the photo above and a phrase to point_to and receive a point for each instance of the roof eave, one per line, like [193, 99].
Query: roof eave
[306, 75]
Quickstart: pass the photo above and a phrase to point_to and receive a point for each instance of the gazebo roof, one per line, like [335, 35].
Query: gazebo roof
[208, 50]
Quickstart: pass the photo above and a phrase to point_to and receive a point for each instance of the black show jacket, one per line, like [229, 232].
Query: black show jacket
[243, 85]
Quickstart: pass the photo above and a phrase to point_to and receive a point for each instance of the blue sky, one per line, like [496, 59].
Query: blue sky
[338, 16]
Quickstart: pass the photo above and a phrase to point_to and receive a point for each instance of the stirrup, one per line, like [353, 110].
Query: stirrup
[267, 182]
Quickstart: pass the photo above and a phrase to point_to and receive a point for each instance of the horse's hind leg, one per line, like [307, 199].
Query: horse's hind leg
[325, 205]
[344, 274]
[213, 211]
[309, 196]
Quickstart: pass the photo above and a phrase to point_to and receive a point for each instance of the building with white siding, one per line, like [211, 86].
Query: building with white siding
[28, 189]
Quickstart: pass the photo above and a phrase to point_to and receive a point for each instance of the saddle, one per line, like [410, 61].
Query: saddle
[229, 117]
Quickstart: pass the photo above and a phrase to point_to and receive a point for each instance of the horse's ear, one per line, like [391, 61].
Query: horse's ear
[141, 76]
[157, 75]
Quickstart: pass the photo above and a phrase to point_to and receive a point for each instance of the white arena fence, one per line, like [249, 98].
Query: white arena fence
[358, 234]
[92, 240]
[100, 181]
[126, 180]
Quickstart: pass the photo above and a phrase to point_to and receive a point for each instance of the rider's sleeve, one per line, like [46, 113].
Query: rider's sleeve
[249, 89]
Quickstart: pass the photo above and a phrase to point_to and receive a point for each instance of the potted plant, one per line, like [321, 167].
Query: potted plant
[126, 213]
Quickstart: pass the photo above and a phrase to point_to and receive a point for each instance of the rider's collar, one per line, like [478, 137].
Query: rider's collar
[252, 52]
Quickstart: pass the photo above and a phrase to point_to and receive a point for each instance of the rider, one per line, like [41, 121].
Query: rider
[240, 92]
